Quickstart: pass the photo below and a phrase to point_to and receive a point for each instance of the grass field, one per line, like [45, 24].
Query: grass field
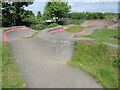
[98, 60]
[104, 35]
[75, 29]
[11, 77]
[0, 65]
[101, 20]
[31, 35]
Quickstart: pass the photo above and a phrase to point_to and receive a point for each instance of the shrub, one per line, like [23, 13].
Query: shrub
[38, 26]
[52, 25]
[68, 21]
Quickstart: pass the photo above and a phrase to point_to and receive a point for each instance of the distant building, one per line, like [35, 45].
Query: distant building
[48, 20]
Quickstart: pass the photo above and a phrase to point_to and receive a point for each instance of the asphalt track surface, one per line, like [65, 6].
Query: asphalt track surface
[98, 25]
[42, 59]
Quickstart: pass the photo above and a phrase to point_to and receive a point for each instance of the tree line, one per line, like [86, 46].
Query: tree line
[14, 14]
[96, 15]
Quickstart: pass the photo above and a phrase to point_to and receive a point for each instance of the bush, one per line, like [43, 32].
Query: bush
[63, 20]
[68, 21]
[87, 15]
[52, 25]
[73, 22]
[38, 26]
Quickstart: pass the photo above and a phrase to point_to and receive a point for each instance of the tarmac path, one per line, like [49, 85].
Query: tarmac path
[98, 25]
[42, 60]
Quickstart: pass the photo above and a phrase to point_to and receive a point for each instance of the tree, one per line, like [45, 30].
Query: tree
[0, 19]
[56, 9]
[111, 15]
[12, 12]
[39, 15]
[77, 15]
[28, 18]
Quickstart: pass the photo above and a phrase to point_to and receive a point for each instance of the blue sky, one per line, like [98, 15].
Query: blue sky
[80, 6]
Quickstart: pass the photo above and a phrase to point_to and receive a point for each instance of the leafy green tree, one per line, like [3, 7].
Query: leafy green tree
[77, 15]
[29, 18]
[100, 16]
[12, 12]
[0, 19]
[95, 16]
[111, 15]
[74, 15]
[39, 15]
[56, 9]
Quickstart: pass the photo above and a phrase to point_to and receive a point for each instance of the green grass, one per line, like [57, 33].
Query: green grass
[11, 77]
[32, 35]
[101, 20]
[99, 60]
[0, 65]
[104, 35]
[75, 29]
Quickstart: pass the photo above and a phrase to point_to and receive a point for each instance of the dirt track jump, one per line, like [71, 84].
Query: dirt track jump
[42, 59]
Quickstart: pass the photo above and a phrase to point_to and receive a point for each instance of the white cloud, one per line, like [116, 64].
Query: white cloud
[101, 1]
[41, 0]
[95, 7]
[35, 6]
[82, 1]
[71, 4]
[78, 9]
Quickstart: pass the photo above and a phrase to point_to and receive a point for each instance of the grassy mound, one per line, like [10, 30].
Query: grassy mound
[104, 35]
[75, 29]
[99, 60]
[11, 77]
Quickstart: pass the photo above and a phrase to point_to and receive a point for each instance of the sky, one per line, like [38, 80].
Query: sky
[80, 6]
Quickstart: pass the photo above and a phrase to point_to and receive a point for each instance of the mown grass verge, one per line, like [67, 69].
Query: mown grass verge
[75, 29]
[101, 20]
[31, 35]
[0, 65]
[99, 60]
[11, 77]
[104, 35]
